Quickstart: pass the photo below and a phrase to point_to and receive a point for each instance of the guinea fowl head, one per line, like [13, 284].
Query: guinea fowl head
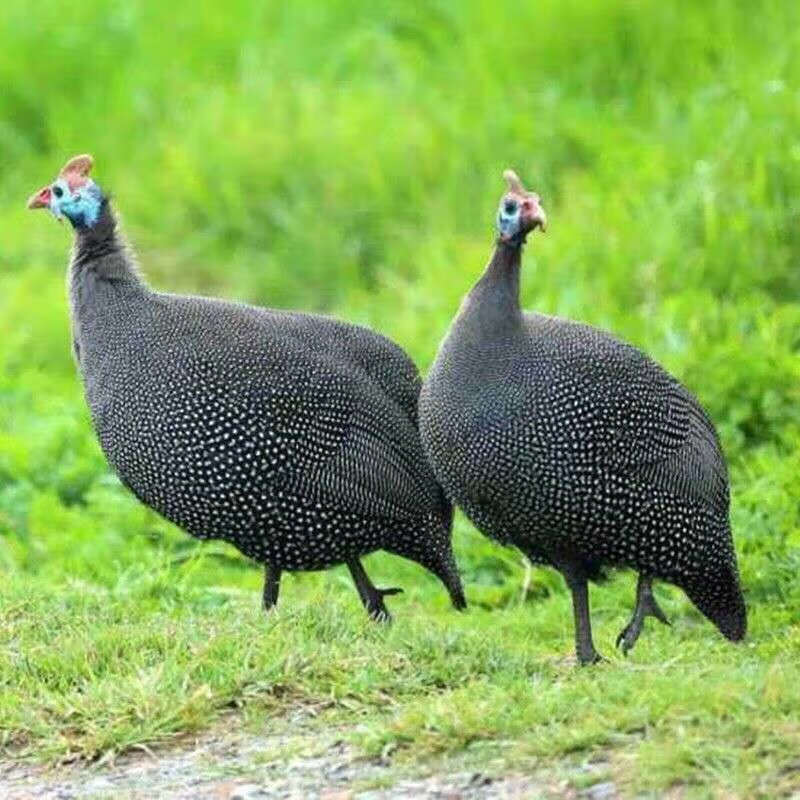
[519, 212]
[73, 194]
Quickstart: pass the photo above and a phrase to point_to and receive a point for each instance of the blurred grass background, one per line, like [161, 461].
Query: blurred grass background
[346, 157]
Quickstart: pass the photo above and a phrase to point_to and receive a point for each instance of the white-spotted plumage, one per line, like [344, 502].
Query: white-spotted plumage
[579, 449]
[292, 436]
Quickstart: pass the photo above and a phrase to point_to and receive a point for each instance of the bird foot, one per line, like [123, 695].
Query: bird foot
[629, 635]
[376, 608]
[588, 658]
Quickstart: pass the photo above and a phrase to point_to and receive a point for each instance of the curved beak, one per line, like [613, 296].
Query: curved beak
[40, 199]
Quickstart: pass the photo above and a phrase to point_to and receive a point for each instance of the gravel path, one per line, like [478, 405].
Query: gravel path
[234, 766]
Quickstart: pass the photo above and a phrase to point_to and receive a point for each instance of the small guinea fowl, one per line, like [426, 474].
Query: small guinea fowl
[577, 448]
[291, 436]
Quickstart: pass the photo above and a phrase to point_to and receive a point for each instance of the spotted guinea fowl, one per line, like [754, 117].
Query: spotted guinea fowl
[577, 448]
[291, 436]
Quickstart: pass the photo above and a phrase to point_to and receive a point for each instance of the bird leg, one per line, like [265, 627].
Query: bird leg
[272, 584]
[371, 597]
[646, 606]
[575, 577]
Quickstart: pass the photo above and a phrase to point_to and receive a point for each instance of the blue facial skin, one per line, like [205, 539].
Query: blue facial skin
[81, 206]
[508, 219]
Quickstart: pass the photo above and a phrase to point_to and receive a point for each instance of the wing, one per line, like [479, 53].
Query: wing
[600, 402]
[279, 414]
[383, 361]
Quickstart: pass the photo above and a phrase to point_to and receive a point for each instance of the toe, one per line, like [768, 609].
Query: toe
[380, 615]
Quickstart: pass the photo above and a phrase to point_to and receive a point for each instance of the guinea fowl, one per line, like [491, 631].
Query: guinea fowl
[577, 448]
[292, 436]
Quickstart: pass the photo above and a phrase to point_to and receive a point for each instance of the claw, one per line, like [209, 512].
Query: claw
[376, 609]
[623, 640]
[371, 596]
[588, 659]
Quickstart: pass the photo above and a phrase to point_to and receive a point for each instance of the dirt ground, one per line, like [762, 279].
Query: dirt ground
[228, 765]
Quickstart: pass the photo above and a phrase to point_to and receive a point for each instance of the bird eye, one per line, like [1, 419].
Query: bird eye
[58, 191]
[510, 206]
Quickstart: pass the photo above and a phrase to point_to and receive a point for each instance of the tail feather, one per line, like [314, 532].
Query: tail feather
[432, 548]
[717, 593]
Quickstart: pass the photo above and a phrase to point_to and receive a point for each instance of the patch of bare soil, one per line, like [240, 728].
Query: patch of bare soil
[227, 765]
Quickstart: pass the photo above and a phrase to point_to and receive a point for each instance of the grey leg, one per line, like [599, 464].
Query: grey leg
[371, 597]
[646, 606]
[272, 584]
[575, 576]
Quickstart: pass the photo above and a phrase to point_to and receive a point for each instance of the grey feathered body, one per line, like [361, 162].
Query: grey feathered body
[558, 438]
[291, 436]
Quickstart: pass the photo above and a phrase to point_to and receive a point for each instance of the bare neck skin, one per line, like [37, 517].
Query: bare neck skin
[493, 303]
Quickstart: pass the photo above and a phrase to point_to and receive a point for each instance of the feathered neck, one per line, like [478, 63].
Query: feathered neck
[101, 250]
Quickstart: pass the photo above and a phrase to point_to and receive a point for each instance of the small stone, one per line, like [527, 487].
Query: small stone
[247, 791]
[336, 794]
[601, 791]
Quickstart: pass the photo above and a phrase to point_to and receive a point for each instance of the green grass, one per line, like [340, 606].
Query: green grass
[347, 157]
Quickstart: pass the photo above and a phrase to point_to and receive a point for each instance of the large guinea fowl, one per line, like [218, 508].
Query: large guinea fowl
[577, 448]
[291, 436]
